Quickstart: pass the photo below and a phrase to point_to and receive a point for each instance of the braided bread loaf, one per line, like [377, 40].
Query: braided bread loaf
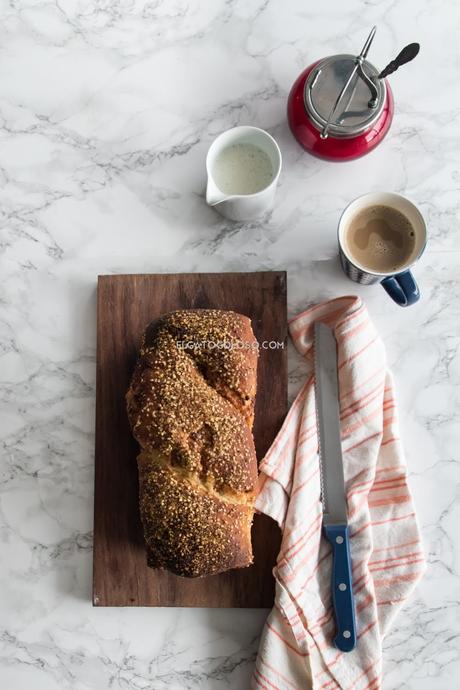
[191, 408]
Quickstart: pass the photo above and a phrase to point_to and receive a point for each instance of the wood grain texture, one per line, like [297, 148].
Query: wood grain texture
[126, 304]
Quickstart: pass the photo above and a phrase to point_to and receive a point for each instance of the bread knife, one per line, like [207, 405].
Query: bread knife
[333, 495]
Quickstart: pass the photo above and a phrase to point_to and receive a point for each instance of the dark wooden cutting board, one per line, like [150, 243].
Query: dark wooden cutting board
[125, 305]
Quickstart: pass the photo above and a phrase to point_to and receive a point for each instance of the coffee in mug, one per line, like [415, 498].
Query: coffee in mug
[381, 236]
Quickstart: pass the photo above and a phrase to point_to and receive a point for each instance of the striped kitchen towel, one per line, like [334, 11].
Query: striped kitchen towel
[296, 650]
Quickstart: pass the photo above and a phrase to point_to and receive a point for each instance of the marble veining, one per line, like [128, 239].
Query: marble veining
[106, 113]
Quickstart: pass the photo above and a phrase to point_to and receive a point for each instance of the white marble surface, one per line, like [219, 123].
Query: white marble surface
[106, 112]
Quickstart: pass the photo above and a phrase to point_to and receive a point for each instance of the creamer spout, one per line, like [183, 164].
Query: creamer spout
[213, 194]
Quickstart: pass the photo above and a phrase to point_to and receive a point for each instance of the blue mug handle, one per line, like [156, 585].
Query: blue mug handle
[402, 288]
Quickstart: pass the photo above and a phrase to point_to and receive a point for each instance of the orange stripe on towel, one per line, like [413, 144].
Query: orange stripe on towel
[290, 646]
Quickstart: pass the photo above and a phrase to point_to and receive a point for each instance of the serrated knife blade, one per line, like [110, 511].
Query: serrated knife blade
[333, 493]
[328, 419]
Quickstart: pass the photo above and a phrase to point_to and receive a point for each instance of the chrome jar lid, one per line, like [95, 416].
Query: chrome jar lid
[344, 96]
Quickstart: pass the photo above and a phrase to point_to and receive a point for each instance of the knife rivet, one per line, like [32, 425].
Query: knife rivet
[342, 586]
[347, 634]
[339, 540]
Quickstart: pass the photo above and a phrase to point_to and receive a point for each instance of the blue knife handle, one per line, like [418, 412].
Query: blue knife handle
[342, 587]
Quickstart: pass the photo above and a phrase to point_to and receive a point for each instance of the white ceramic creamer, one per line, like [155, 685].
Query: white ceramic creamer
[243, 166]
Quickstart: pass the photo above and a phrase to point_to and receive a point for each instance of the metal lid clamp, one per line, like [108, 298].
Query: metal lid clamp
[358, 69]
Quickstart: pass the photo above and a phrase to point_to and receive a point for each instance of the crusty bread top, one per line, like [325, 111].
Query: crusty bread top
[195, 405]
[188, 530]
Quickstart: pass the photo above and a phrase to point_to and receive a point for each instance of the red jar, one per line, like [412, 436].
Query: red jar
[339, 109]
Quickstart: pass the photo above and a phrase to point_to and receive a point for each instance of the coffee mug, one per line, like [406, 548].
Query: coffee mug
[400, 283]
[243, 204]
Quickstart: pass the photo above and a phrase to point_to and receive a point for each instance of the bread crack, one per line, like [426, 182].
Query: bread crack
[228, 494]
[229, 394]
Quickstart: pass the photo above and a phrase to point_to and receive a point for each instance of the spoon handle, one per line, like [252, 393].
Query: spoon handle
[406, 55]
